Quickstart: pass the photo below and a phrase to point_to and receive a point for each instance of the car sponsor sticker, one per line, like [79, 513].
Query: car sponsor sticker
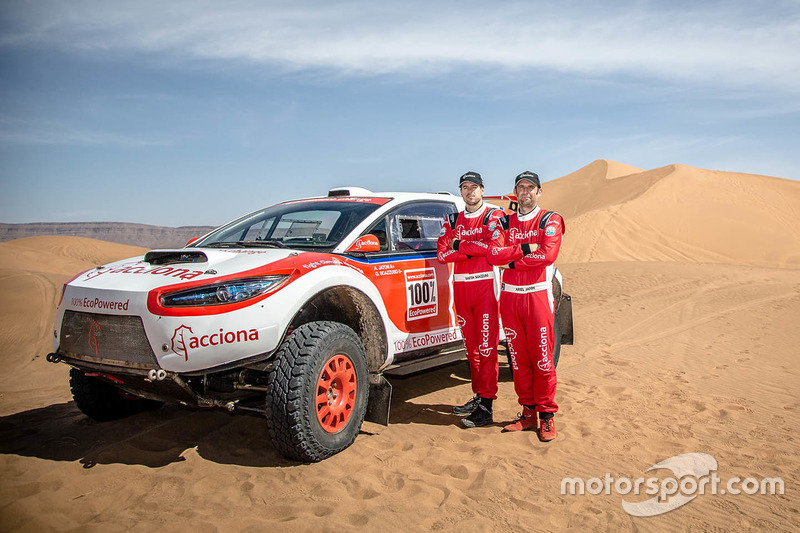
[421, 301]
[425, 340]
[184, 340]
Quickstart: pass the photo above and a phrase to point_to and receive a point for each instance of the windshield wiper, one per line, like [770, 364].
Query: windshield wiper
[247, 244]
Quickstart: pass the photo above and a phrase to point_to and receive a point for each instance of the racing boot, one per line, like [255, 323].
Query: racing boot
[481, 416]
[527, 420]
[468, 407]
[547, 429]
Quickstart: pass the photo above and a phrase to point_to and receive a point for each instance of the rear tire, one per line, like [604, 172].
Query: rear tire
[103, 402]
[317, 391]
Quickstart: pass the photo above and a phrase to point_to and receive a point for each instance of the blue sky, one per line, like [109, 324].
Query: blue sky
[181, 113]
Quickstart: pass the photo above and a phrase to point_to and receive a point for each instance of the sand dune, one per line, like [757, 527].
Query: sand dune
[677, 213]
[32, 272]
[683, 345]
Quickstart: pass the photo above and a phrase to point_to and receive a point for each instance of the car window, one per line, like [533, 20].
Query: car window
[308, 224]
[379, 231]
[417, 226]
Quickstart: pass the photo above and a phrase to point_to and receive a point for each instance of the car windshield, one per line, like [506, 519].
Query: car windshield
[318, 224]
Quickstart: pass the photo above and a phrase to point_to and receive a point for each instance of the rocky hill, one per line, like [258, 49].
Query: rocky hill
[142, 235]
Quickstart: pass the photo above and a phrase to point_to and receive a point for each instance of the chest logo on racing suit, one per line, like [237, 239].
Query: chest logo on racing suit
[515, 235]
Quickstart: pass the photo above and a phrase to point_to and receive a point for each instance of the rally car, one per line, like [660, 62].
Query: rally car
[294, 312]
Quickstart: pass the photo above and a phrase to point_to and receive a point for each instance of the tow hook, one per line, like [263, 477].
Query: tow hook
[157, 375]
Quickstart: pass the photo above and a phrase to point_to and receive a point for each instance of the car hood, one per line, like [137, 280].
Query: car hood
[160, 268]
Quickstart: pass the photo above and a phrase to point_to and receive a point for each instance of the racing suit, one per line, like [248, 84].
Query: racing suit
[473, 292]
[526, 301]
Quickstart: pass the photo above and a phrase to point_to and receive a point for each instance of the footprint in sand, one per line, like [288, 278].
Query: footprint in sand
[458, 471]
[698, 405]
[358, 520]
[323, 511]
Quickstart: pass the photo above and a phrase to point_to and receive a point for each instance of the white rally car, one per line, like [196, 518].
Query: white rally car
[293, 312]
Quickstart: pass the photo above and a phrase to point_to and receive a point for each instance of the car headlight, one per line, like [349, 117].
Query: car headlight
[226, 292]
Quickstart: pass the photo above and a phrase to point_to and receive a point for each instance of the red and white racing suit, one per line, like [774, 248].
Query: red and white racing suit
[473, 292]
[526, 301]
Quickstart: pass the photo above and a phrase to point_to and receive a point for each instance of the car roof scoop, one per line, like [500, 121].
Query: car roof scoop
[168, 257]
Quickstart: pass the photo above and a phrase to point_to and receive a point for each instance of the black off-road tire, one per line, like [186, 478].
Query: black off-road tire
[298, 425]
[103, 402]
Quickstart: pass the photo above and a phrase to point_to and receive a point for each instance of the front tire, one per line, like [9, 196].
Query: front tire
[317, 391]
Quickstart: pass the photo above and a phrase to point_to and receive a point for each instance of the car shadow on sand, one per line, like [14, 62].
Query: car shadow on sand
[61, 432]
[407, 394]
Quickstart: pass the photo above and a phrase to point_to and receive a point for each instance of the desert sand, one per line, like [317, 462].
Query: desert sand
[686, 295]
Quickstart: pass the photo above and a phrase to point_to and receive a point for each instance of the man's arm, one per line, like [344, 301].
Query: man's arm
[546, 252]
[481, 246]
[444, 250]
[498, 253]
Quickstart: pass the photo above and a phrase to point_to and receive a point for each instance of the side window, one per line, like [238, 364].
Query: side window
[417, 226]
[379, 230]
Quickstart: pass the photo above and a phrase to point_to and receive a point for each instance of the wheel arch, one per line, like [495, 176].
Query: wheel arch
[350, 306]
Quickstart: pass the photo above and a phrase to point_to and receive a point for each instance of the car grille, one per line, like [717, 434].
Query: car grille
[106, 338]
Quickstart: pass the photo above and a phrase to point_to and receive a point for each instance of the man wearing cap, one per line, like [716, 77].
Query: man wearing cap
[462, 242]
[525, 248]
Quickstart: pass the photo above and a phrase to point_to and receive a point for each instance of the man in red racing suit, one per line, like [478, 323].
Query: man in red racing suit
[525, 247]
[462, 241]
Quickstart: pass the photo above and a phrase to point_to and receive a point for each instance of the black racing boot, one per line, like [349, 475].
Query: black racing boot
[468, 407]
[481, 416]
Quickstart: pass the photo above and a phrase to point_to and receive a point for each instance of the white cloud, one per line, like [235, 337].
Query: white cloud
[738, 44]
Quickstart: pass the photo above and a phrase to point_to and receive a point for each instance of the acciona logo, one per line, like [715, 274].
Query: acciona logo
[694, 474]
[184, 339]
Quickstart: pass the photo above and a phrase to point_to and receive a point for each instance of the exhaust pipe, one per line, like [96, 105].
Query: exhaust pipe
[53, 358]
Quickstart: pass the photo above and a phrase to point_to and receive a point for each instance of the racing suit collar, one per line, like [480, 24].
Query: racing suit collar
[529, 216]
[477, 213]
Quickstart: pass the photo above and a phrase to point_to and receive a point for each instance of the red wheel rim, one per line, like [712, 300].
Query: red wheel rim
[336, 393]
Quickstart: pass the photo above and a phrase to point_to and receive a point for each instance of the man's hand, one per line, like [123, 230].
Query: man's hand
[529, 247]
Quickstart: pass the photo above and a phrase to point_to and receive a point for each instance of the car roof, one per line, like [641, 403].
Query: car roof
[359, 193]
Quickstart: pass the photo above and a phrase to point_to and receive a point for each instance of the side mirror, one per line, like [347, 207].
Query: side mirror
[366, 243]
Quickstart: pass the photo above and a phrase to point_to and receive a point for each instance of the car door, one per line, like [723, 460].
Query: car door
[414, 285]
